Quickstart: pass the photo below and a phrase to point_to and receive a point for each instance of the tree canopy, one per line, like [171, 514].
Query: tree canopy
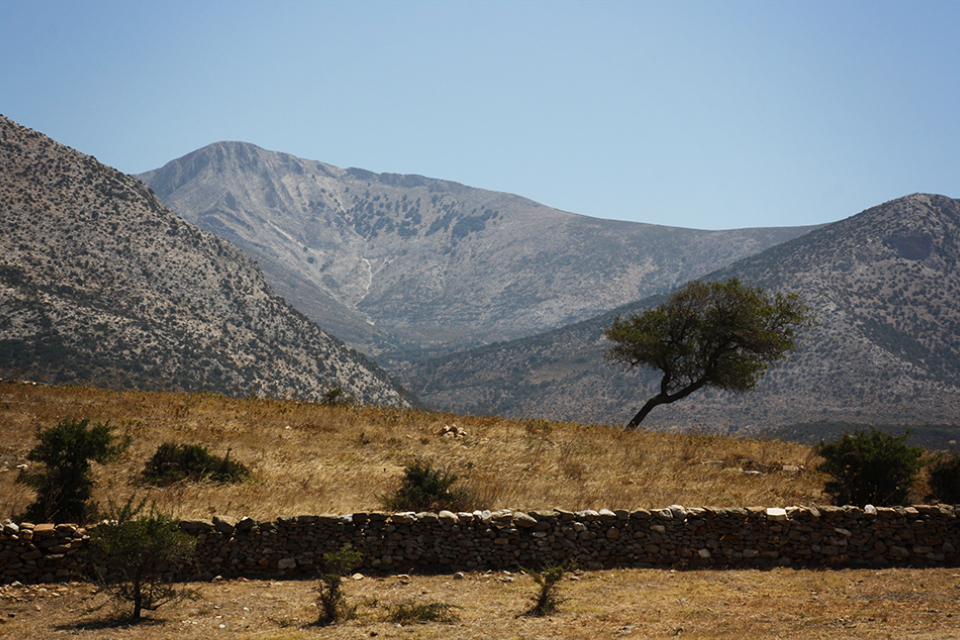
[716, 334]
[870, 467]
[64, 484]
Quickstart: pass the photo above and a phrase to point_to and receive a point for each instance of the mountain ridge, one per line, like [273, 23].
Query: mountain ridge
[398, 264]
[887, 347]
[101, 284]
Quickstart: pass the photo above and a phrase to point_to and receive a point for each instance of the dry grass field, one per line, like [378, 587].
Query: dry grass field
[310, 459]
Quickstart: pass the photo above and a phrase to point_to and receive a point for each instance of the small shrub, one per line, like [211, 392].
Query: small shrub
[64, 485]
[870, 467]
[426, 489]
[177, 462]
[336, 396]
[330, 600]
[410, 613]
[547, 600]
[945, 479]
[132, 555]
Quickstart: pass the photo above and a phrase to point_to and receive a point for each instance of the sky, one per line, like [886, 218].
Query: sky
[702, 114]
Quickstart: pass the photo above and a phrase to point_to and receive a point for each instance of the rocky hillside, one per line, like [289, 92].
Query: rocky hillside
[883, 283]
[395, 264]
[100, 283]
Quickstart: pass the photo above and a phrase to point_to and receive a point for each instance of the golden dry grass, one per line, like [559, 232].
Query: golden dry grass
[311, 459]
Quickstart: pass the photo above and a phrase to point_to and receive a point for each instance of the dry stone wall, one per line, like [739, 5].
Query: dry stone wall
[926, 535]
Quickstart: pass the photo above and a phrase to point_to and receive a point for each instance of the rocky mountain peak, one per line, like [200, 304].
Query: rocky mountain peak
[401, 264]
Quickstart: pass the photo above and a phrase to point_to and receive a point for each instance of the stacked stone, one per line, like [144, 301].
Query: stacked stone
[39, 553]
[403, 542]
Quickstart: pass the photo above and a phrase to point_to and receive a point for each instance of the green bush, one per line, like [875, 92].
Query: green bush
[945, 479]
[330, 600]
[133, 554]
[336, 396]
[177, 462]
[870, 467]
[427, 489]
[64, 484]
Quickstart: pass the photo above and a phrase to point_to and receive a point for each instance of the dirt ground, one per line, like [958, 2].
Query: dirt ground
[634, 603]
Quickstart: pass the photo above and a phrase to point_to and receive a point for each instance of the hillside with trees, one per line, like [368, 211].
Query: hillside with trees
[886, 349]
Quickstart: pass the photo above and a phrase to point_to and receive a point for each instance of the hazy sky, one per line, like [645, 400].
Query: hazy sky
[698, 114]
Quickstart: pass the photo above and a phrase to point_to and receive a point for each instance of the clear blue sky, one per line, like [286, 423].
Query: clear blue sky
[699, 114]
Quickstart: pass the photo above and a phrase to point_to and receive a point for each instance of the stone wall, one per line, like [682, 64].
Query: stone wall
[405, 542]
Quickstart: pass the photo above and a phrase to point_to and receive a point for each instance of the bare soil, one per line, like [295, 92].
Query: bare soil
[634, 603]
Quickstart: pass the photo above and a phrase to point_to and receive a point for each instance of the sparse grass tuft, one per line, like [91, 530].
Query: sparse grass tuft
[411, 613]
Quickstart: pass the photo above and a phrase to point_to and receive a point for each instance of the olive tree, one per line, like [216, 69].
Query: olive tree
[717, 334]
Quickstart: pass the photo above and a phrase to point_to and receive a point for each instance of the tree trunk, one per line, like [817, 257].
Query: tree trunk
[647, 408]
[663, 398]
[137, 599]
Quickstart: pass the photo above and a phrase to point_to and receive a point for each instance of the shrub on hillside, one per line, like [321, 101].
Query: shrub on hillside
[176, 462]
[945, 479]
[427, 489]
[870, 467]
[64, 484]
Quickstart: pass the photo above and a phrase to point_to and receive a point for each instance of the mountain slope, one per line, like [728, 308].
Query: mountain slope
[100, 283]
[399, 263]
[883, 284]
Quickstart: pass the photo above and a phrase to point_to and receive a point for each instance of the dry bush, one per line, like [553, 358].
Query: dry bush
[312, 458]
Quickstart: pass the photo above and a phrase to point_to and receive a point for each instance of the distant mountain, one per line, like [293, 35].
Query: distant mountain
[398, 264]
[100, 283]
[884, 285]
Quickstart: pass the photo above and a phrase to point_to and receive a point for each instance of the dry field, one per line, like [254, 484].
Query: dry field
[310, 459]
[619, 604]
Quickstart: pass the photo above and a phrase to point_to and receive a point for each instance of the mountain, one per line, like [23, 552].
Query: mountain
[883, 285]
[100, 283]
[401, 264]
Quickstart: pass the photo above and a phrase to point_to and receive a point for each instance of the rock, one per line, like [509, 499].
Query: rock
[448, 517]
[523, 520]
[404, 517]
[225, 524]
[196, 526]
